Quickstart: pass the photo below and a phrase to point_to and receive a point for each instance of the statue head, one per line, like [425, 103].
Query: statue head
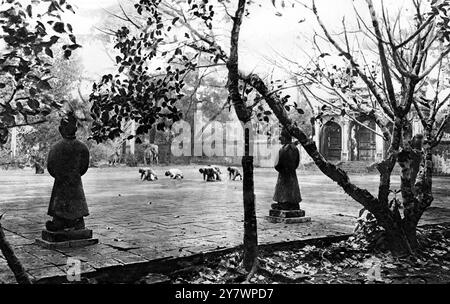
[285, 137]
[68, 126]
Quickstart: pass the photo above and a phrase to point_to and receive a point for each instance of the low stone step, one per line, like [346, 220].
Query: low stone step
[287, 213]
[66, 239]
[287, 216]
[62, 236]
[66, 244]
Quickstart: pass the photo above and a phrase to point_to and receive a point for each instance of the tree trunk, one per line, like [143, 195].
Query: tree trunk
[410, 231]
[250, 228]
[13, 262]
[244, 115]
[401, 238]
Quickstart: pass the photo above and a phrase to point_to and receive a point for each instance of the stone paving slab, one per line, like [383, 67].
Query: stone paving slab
[184, 217]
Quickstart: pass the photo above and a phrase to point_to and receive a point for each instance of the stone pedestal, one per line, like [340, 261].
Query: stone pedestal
[287, 216]
[64, 239]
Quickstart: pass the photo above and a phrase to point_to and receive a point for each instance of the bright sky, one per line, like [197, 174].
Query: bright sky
[263, 35]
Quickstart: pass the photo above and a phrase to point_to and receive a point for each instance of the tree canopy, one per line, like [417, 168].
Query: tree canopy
[29, 34]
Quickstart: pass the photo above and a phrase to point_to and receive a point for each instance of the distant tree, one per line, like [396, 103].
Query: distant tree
[65, 83]
[29, 34]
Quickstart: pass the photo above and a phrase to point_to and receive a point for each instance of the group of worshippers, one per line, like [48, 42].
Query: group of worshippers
[210, 173]
[287, 191]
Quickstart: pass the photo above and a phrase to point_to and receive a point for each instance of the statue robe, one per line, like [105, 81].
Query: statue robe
[287, 189]
[67, 161]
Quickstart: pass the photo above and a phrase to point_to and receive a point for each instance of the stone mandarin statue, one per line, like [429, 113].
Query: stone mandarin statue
[287, 191]
[68, 160]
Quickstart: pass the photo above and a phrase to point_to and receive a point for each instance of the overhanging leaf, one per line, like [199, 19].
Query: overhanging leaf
[59, 27]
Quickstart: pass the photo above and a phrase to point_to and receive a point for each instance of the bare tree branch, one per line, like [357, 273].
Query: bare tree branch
[383, 58]
[435, 63]
[372, 87]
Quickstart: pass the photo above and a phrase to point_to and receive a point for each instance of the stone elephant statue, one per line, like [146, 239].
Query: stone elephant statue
[151, 154]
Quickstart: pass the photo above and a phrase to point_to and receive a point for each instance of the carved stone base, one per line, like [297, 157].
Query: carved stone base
[287, 213]
[66, 244]
[64, 239]
[287, 216]
[62, 236]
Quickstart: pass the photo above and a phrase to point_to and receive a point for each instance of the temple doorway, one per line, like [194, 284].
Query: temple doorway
[365, 140]
[331, 145]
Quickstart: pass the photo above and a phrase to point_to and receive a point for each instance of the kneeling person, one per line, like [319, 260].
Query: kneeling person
[218, 172]
[148, 174]
[233, 173]
[174, 174]
[210, 173]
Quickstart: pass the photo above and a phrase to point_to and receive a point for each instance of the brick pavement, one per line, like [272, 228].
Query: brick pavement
[142, 221]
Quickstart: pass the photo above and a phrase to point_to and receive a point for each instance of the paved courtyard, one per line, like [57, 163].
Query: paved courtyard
[142, 221]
